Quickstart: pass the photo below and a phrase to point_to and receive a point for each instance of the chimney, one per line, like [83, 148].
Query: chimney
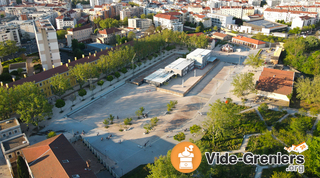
[53, 66]
[101, 49]
[82, 55]
[69, 60]
[89, 53]
[44, 69]
[1, 83]
[13, 79]
[75, 58]
[61, 63]
[94, 54]
[274, 76]
[7, 85]
[25, 76]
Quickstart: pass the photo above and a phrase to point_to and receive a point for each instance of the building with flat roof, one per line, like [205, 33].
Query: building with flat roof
[221, 36]
[180, 66]
[16, 66]
[220, 20]
[139, 23]
[159, 77]
[275, 84]
[200, 56]
[56, 158]
[265, 26]
[9, 128]
[47, 42]
[253, 43]
[11, 149]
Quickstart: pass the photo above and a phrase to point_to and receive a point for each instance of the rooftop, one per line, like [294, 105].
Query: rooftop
[276, 81]
[8, 123]
[159, 76]
[266, 24]
[18, 65]
[14, 142]
[179, 64]
[80, 28]
[199, 52]
[109, 31]
[219, 34]
[47, 159]
[44, 24]
[249, 40]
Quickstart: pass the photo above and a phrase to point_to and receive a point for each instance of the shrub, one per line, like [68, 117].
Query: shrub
[106, 123]
[51, 134]
[109, 78]
[314, 111]
[147, 127]
[127, 121]
[5, 77]
[60, 103]
[14, 72]
[82, 92]
[179, 137]
[117, 74]
[263, 107]
[154, 121]
[195, 128]
[302, 111]
[124, 70]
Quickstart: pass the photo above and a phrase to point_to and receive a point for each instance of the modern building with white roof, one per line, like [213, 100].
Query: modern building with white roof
[159, 77]
[200, 56]
[180, 66]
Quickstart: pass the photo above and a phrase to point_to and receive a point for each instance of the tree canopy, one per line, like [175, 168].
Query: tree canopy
[243, 84]
[254, 60]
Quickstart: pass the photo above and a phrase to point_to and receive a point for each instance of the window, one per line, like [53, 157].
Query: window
[15, 131]
[75, 176]
[18, 152]
[10, 133]
[65, 161]
[4, 135]
[9, 156]
[40, 84]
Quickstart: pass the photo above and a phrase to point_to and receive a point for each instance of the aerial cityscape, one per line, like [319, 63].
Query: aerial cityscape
[159, 88]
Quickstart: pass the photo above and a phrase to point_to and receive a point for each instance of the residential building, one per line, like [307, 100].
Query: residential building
[273, 3]
[9, 128]
[195, 8]
[42, 80]
[201, 18]
[82, 34]
[275, 84]
[25, 28]
[237, 11]
[221, 36]
[252, 43]
[139, 23]
[303, 21]
[64, 22]
[220, 20]
[168, 21]
[10, 32]
[56, 158]
[104, 36]
[254, 2]
[20, 65]
[131, 12]
[200, 56]
[47, 43]
[286, 15]
[11, 149]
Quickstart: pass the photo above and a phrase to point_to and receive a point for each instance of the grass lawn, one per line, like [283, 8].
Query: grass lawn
[267, 173]
[293, 130]
[271, 116]
[139, 172]
[249, 123]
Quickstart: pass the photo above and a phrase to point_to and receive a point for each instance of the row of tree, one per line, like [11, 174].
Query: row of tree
[8, 48]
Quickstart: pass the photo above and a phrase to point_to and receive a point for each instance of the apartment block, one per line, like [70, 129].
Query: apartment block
[139, 23]
[220, 20]
[47, 42]
[10, 32]
[82, 34]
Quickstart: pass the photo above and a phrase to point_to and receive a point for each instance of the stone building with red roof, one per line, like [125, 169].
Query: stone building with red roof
[252, 43]
[275, 84]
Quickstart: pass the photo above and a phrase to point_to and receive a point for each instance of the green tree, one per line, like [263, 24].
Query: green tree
[243, 84]
[106, 123]
[75, 44]
[125, 21]
[100, 83]
[282, 174]
[263, 107]
[97, 21]
[143, 16]
[147, 127]
[3, 50]
[139, 112]
[306, 89]
[296, 31]
[11, 47]
[33, 106]
[60, 103]
[82, 93]
[198, 29]
[159, 28]
[312, 158]
[127, 121]
[179, 137]
[5, 101]
[215, 28]
[59, 84]
[195, 129]
[61, 34]
[77, 72]
[154, 121]
[131, 36]
[22, 169]
[2, 15]
[51, 134]
[111, 118]
[313, 111]
[254, 60]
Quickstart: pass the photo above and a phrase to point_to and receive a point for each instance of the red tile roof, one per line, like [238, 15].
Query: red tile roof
[45, 159]
[60, 17]
[166, 16]
[199, 16]
[249, 40]
[276, 81]
[109, 31]
[61, 69]
[219, 34]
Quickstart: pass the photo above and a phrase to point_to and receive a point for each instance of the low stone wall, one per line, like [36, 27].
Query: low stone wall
[170, 91]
